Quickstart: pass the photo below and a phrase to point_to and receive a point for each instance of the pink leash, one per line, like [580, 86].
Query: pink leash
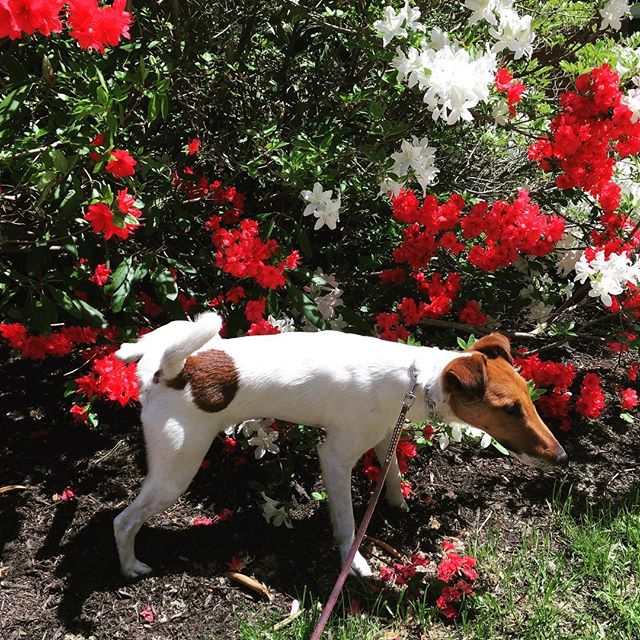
[407, 403]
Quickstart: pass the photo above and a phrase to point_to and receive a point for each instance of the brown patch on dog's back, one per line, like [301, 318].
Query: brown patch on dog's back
[213, 378]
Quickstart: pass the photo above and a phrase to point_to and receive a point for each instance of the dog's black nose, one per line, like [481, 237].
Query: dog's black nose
[562, 458]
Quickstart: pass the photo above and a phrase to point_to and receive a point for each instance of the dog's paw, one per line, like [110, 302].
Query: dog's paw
[136, 570]
[360, 567]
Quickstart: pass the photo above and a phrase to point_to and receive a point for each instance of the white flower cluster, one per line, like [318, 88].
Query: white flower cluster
[608, 276]
[612, 14]
[326, 293]
[415, 159]
[511, 30]
[454, 81]
[322, 205]
[274, 514]
[259, 434]
[397, 25]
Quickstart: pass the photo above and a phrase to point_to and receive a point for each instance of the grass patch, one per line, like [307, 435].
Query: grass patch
[577, 580]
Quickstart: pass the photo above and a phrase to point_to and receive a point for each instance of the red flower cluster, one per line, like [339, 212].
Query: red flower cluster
[262, 328]
[556, 378]
[100, 275]
[510, 229]
[455, 570]
[29, 16]
[513, 90]
[193, 146]
[628, 399]
[242, 254]
[92, 26]
[110, 379]
[119, 224]
[471, 314]
[405, 452]
[592, 125]
[590, 402]
[95, 27]
[121, 164]
[390, 328]
[38, 347]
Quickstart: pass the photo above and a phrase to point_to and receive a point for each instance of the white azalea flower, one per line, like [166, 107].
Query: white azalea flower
[395, 25]
[316, 198]
[329, 215]
[391, 26]
[513, 33]
[389, 186]
[632, 101]
[415, 158]
[443, 440]
[456, 82]
[486, 10]
[249, 427]
[608, 276]
[338, 323]
[285, 323]
[612, 14]
[264, 441]
[322, 206]
[274, 514]
[539, 311]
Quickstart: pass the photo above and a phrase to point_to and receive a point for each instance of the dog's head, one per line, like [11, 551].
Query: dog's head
[485, 391]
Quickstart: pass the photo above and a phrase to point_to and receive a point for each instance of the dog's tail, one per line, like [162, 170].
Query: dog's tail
[203, 329]
[175, 341]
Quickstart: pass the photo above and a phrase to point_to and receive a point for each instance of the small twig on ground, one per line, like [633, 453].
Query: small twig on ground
[385, 547]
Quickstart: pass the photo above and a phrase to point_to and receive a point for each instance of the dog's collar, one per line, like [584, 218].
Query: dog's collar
[430, 404]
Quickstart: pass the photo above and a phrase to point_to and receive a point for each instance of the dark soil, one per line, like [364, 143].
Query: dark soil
[58, 566]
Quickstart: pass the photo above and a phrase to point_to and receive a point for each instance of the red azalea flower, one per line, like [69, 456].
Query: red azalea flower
[146, 613]
[80, 414]
[201, 521]
[255, 309]
[100, 275]
[15, 334]
[122, 164]
[67, 494]
[193, 146]
[30, 16]
[94, 27]
[262, 328]
[628, 399]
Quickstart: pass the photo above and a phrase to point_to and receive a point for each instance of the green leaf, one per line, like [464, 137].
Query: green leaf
[627, 417]
[76, 307]
[165, 285]
[499, 447]
[120, 285]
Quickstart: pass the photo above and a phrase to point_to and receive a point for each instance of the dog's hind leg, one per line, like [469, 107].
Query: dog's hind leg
[393, 491]
[174, 452]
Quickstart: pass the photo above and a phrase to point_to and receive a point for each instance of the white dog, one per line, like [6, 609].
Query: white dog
[193, 385]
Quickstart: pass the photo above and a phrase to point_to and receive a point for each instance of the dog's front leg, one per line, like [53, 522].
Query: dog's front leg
[336, 471]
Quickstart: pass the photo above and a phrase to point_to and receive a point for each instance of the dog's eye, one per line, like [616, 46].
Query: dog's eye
[513, 409]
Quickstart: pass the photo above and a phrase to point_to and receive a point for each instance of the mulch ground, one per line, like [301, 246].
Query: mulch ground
[58, 566]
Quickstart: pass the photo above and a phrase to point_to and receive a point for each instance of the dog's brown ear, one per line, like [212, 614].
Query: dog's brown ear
[466, 376]
[495, 345]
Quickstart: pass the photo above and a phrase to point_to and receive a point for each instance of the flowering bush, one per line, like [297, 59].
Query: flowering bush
[301, 173]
